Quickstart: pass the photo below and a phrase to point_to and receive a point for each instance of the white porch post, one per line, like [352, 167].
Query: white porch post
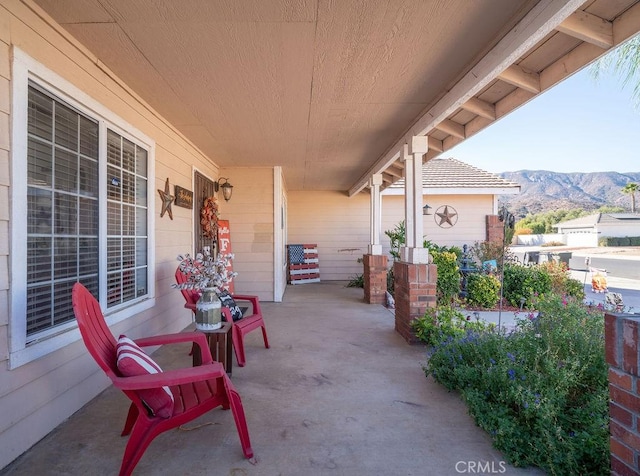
[375, 248]
[409, 192]
[414, 252]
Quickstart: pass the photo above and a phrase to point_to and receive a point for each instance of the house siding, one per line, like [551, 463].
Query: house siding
[251, 223]
[470, 227]
[42, 393]
[339, 225]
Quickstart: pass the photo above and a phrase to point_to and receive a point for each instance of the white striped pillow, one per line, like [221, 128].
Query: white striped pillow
[132, 361]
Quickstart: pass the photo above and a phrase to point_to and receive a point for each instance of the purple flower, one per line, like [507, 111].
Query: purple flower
[511, 357]
[512, 374]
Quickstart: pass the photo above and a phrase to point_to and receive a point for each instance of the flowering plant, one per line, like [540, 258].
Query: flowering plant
[205, 271]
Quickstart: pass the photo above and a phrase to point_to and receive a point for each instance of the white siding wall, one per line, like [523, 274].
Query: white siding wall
[340, 225]
[471, 225]
[621, 230]
[39, 395]
[250, 215]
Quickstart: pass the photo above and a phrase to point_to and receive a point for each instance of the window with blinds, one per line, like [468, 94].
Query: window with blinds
[126, 220]
[63, 210]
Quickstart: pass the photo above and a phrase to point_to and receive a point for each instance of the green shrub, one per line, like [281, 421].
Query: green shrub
[444, 322]
[541, 392]
[356, 281]
[619, 241]
[482, 251]
[561, 281]
[524, 282]
[575, 289]
[483, 290]
[448, 282]
[397, 238]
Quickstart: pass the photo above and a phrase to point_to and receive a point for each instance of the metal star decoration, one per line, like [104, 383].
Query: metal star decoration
[167, 200]
[447, 216]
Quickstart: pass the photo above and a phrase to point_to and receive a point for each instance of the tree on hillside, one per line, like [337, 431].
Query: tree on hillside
[543, 222]
[631, 189]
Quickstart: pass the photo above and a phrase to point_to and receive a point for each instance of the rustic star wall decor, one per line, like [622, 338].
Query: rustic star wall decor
[446, 216]
[167, 200]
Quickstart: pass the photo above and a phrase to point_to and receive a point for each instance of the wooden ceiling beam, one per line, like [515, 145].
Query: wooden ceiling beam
[435, 144]
[396, 172]
[589, 28]
[481, 108]
[451, 128]
[521, 78]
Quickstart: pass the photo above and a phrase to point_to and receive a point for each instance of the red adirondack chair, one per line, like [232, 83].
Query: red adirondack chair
[241, 327]
[195, 390]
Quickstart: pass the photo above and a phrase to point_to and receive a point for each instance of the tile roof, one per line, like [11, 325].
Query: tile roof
[596, 218]
[452, 173]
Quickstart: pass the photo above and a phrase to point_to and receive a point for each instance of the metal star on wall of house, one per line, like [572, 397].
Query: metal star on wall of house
[167, 200]
[447, 216]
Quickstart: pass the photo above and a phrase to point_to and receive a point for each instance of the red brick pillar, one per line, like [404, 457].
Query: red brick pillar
[375, 279]
[495, 229]
[415, 291]
[621, 350]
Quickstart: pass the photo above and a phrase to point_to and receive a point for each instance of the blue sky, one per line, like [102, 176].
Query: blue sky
[579, 125]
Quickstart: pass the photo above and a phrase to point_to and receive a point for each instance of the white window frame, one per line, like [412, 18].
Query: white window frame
[25, 69]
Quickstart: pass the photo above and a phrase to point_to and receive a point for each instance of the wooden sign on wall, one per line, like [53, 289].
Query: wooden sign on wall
[224, 246]
[184, 197]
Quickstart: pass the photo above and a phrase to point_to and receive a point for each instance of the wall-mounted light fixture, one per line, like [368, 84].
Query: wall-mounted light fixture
[426, 210]
[227, 188]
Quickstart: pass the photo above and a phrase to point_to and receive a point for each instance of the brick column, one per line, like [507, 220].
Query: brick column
[495, 229]
[415, 291]
[375, 279]
[621, 351]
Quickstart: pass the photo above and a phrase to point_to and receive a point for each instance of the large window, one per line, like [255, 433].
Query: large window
[80, 211]
[62, 209]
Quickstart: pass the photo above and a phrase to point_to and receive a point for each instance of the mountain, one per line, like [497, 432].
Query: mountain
[543, 190]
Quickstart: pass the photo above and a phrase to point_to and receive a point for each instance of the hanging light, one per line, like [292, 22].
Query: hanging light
[426, 210]
[227, 188]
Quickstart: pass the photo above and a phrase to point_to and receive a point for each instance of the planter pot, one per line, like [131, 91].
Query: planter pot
[208, 315]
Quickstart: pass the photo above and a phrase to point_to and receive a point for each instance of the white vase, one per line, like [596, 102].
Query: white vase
[208, 314]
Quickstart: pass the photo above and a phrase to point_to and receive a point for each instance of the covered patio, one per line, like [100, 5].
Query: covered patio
[339, 392]
[110, 109]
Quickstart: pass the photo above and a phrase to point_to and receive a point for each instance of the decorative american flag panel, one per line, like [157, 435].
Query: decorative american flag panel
[303, 264]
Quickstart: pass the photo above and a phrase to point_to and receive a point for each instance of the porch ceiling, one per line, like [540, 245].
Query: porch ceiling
[329, 90]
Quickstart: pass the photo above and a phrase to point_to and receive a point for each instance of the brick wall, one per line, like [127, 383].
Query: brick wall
[495, 229]
[375, 279]
[621, 351]
[415, 291]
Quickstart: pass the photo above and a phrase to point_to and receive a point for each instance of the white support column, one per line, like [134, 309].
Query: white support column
[416, 253]
[409, 200]
[375, 248]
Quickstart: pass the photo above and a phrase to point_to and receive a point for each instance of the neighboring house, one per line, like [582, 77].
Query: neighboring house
[586, 231]
[340, 227]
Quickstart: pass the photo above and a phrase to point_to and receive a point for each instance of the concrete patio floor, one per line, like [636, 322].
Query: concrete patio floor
[339, 392]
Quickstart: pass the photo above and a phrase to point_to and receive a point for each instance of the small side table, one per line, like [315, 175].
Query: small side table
[220, 345]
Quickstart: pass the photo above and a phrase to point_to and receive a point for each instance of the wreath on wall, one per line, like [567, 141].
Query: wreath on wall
[209, 218]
